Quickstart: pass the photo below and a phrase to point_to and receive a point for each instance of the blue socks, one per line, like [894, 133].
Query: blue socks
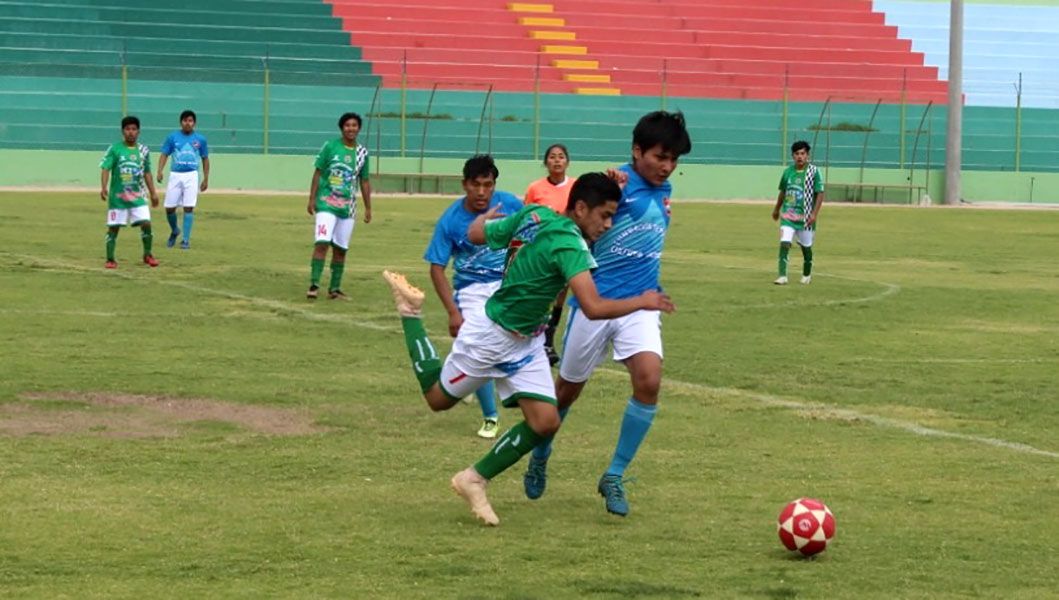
[170, 217]
[634, 428]
[544, 449]
[189, 220]
[487, 400]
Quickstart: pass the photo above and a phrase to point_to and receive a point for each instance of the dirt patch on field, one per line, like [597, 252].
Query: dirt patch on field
[138, 416]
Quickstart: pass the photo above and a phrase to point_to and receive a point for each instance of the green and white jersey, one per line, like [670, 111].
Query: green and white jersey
[544, 251]
[341, 170]
[128, 167]
[800, 189]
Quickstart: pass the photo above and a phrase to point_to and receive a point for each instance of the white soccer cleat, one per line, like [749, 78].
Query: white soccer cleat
[807, 279]
[471, 487]
[407, 297]
[781, 280]
[489, 429]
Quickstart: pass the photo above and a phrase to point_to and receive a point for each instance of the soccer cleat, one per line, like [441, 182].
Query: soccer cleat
[553, 357]
[150, 261]
[613, 492]
[172, 238]
[488, 429]
[536, 478]
[185, 245]
[337, 295]
[781, 280]
[313, 292]
[407, 297]
[471, 487]
[110, 264]
[807, 279]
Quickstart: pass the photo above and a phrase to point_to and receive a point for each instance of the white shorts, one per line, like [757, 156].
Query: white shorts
[183, 190]
[586, 341]
[119, 217]
[805, 236]
[485, 351]
[472, 297]
[333, 230]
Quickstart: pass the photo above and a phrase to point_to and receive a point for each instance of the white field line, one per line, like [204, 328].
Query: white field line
[764, 399]
[844, 413]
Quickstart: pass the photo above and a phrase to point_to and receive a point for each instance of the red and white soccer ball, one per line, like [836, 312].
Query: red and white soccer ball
[807, 526]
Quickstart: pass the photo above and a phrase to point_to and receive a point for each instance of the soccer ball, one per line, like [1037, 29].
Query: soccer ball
[807, 526]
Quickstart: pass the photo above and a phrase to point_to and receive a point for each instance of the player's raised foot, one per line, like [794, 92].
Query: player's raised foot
[407, 297]
[488, 429]
[553, 356]
[807, 279]
[110, 264]
[337, 295]
[471, 487]
[172, 238]
[613, 492]
[781, 280]
[185, 245]
[150, 261]
[536, 478]
[313, 292]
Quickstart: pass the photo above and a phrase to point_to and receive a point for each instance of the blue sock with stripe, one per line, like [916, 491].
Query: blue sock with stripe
[487, 400]
[189, 220]
[634, 428]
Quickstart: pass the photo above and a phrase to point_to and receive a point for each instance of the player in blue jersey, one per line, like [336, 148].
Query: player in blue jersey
[477, 269]
[629, 257]
[186, 147]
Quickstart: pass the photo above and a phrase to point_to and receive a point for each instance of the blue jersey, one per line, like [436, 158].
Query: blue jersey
[185, 150]
[629, 254]
[472, 263]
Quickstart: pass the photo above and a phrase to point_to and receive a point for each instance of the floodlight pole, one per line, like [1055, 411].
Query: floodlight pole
[953, 140]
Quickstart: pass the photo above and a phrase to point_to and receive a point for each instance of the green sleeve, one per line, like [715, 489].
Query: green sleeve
[498, 233]
[323, 159]
[818, 182]
[108, 159]
[573, 260]
[147, 162]
[365, 172]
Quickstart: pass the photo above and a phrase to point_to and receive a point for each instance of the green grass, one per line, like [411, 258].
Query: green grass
[919, 323]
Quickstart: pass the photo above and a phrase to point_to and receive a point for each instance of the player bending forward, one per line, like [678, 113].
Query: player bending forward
[545, 252]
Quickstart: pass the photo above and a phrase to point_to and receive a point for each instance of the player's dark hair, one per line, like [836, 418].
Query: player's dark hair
[800, 145]
[130, 120]
[347, 116]
[665, 128]
[594, 189]
[189, 113]
[553, 147]
[480, 165]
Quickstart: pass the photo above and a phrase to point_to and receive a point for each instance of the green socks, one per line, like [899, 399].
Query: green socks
[112, 240]
[147, 237]
[785, 249]
[425, 360]
[513, 445]
[317, 270]
[807, 266]
[336, 275]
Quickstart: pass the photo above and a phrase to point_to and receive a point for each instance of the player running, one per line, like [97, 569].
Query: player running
[629, 257]
[545, 253]
[124, 173]
[187, 147]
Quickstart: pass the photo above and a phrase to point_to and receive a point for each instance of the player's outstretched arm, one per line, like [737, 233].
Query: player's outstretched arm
[476, 230]
[596, 307]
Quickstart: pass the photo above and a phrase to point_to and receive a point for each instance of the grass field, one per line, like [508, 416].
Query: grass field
[201, 430]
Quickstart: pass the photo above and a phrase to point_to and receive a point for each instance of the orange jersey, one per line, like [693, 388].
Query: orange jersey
[548, 194]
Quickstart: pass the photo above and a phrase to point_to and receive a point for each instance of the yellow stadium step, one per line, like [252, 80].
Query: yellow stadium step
[564, 63]
[548, 49]
[597, 91]
[530, 8]
[553, 35]
[586, 78]
[542, 22]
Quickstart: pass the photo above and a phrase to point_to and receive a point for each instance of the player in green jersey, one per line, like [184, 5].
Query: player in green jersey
[341, 166]
[125, 174]
[797, 207]
[546, 252]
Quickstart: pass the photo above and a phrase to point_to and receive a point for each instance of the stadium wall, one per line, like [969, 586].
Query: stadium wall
[285, 173]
